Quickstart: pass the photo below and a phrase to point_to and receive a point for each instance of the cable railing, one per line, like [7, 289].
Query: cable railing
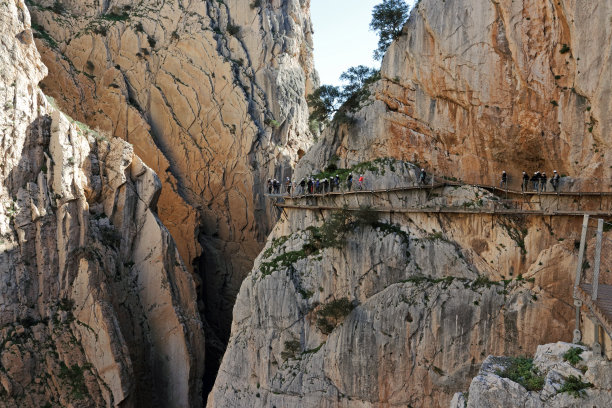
[514, 184]
[589, 288]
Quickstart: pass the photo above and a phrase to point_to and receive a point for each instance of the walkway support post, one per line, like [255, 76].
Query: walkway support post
[585, 226]
[595, 285]
[577, 302]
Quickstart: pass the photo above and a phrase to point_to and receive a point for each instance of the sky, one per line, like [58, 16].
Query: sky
[342, 36]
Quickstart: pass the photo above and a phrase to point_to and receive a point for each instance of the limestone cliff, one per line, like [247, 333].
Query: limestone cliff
[555, 381]
[402, 310]
[396, 310]
[96, 305]
[212, 96]
[472, 88]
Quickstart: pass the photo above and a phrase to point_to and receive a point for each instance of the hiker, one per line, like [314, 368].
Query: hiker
[337, 182]
[361, 182]
[310, 184]
[331, 184]
[349, 181]
[269, 186]
[504, 180]
[525, 182]
[288, 186]
[302, 185]
[318, 186]
[554, 180]
[535, 179]
[543, 179]
[276, 186]
[325, 185]
[422, 176]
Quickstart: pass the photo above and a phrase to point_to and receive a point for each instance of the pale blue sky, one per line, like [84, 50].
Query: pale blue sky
[342, 36]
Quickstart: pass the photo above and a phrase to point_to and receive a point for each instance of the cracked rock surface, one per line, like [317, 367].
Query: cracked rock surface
[212, 96]
[489, 389]
[400, 312]
[472, 88]
[96, 305]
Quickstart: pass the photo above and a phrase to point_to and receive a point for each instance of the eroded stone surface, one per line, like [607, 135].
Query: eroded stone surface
[212, 96]
[96, 306]
[432, 294]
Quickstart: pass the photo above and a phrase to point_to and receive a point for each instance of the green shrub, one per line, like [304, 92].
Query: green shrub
[332, 313]
[564, 49]
[572, 355]
[521, 370]
[74, 377]
[292, 347]
[575, 386]
[232, 29]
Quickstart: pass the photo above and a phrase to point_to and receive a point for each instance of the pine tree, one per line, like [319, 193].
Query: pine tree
[388, 18]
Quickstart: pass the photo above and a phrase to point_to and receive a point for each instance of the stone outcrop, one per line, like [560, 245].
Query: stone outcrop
[491, 389]
[212, 96]
[472, 88]
[401, 310]
[96, 305]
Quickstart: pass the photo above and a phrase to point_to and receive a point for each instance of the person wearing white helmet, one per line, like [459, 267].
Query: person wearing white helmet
[504, 180]
[525, 183]
[554, 180]
[422, 176]
[288, 186]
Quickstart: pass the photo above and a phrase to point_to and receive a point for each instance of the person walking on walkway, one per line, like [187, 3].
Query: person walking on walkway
[349, 181]
[325, 185]
[535, 179]
[288, 186]
[269, 186]
[361, 182]
[422, 176]
[543, 180]
[525, 183]
[309, 184]
[554, 180]
[337, 182]
[504, 180]
[302, 185]
[276, 185]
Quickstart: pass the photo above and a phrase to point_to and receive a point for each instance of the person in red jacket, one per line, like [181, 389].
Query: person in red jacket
[361, 182]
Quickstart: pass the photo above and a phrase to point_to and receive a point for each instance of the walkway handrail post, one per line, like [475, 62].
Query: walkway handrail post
[585, 225]
[597, 259]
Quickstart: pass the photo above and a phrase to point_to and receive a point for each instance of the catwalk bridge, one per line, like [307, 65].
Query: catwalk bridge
[430, 199]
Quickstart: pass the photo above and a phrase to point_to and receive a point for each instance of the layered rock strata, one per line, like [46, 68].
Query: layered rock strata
[472, 88]
[350, 308]
[96, 305]
[212, 96]
[591, 382]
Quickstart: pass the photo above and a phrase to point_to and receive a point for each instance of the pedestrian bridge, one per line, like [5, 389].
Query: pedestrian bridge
[430, 199]
[593, 300]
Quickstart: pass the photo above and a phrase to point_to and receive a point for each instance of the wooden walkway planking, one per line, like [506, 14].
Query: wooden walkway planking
[451, 184]
[602, 307]
[452, 210]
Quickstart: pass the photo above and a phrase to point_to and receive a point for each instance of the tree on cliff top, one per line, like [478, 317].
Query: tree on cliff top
[388, 18]
[326, 100]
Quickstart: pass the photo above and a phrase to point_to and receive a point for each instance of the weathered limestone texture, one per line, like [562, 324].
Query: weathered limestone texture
[96, 305]
[427, 297]
[212, 96]
[489, 389]
[473, 88]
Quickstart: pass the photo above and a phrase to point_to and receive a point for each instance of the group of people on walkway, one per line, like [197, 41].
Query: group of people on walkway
[538, 181]
[313, 185]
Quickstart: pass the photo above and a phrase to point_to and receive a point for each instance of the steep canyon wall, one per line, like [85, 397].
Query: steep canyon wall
[212, 96]
[96, 305]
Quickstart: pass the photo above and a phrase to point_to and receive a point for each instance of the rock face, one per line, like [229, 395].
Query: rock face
[96, 305]
[472, 88]
[490, 389]
[212, 96]
[348, 310]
